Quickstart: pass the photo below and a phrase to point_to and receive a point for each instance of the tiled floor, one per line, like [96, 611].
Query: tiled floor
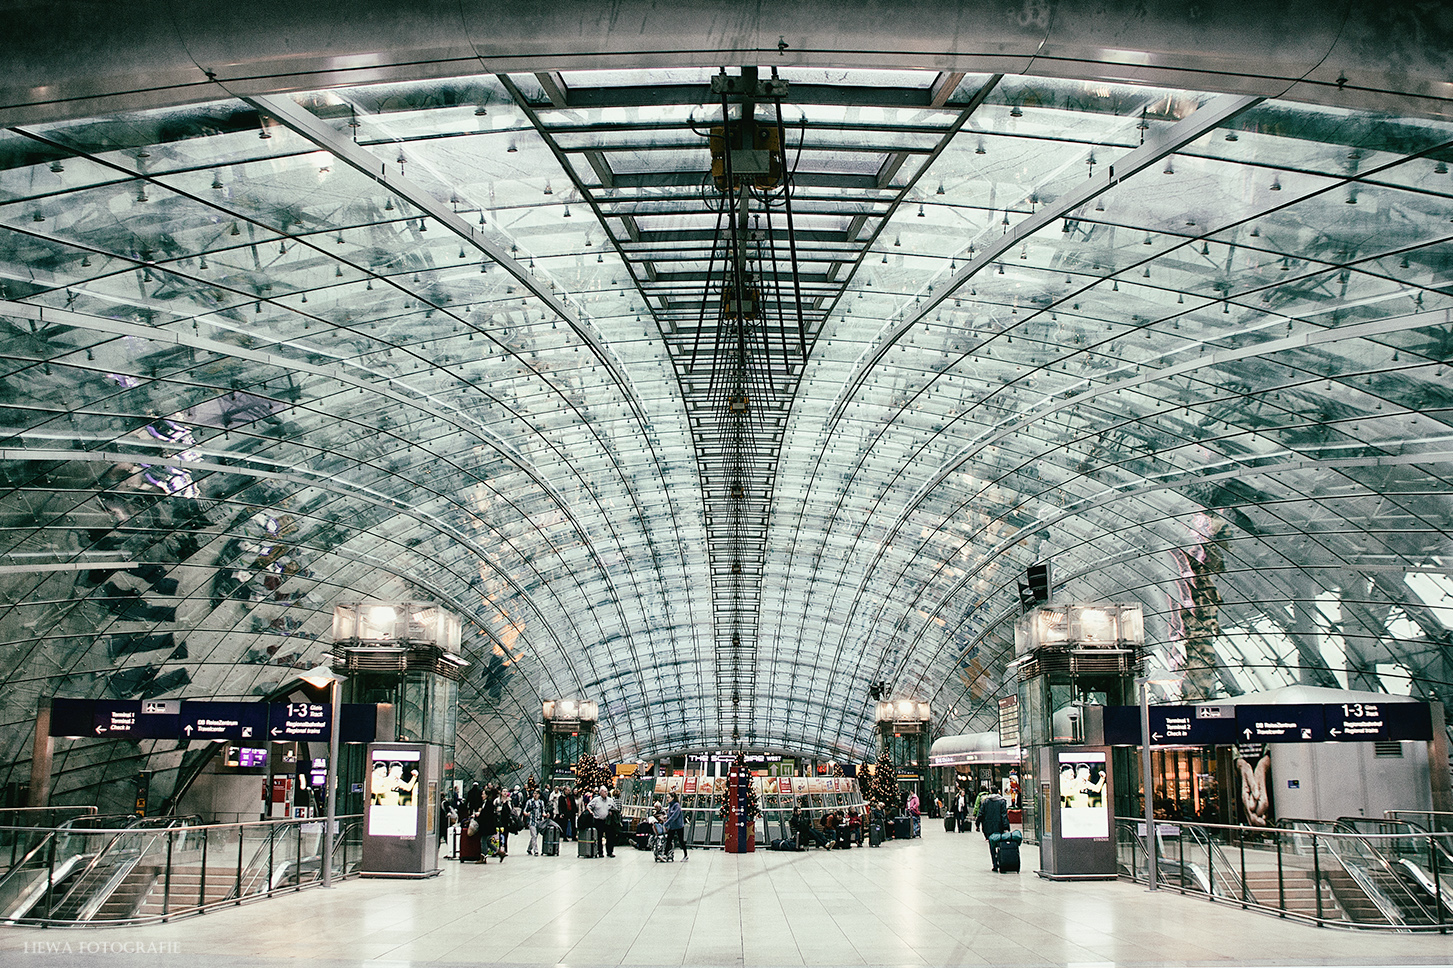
[927, 902]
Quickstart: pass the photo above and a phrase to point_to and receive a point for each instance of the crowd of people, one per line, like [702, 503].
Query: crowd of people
[494, 812]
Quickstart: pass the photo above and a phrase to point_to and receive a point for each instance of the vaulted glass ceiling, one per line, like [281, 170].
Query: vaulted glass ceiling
[441, 340]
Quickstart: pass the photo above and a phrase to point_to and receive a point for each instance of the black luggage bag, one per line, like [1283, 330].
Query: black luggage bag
[550, 841]
[1008, 856]
[948, 822]
[1006, 850]
[586, 845]
[875, 835]
[902, 828]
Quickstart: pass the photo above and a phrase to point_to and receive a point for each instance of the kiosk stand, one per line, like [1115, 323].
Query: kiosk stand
[400, 812]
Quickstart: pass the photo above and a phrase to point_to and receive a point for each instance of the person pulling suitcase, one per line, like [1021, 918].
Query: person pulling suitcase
[994, 819]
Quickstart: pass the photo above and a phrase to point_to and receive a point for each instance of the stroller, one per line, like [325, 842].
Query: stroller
[661, 847]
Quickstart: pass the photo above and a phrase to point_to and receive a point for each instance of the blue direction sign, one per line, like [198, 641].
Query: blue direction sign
[148, 719]
[253, 722]
[1378, 722]
[1291, 723]
[299, 721]
[223, 720]
[1192, 725]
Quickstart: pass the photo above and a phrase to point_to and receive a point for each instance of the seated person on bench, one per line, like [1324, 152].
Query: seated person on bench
[802, 829]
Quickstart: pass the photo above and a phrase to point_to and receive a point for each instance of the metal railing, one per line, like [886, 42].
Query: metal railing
[1319, 872]
[78, 873]
[1434, 821]
[18, 824]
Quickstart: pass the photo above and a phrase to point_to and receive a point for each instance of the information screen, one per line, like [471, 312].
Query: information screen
[1083, 811]
[393, 780]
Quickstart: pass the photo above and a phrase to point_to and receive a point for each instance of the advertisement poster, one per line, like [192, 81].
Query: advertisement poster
[770, 785]
[1083, 811]
[675, 784]
[1253, 785]
[661, 784]
[393, 781]
[706, 786]
[690, 785]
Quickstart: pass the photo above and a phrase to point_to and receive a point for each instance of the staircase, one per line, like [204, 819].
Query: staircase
[1300, 892]
[187, 890]
[124, 901]
[1360, 908]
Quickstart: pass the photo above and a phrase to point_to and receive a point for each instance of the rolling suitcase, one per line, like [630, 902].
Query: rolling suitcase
[586, 845]
[470, 846]
[948, 822]
[550, 841]
[875, 835]
[1006, 851]
[902, 828]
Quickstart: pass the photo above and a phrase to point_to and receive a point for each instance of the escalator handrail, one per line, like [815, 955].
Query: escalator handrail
[82, 824]
[1370, 855]
[102, 894]
[137, 824]
[1224, 864]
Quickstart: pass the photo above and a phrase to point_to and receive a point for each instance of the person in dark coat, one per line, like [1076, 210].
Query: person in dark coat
[994, 816]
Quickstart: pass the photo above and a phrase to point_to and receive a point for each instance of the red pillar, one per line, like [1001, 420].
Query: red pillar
[741, 835]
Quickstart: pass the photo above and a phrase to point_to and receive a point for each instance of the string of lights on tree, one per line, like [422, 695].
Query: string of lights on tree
[883, 784]
[590, 774]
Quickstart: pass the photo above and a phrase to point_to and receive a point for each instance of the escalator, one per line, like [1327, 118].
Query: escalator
[95, 868]
[1421, 862]
[1365, 875]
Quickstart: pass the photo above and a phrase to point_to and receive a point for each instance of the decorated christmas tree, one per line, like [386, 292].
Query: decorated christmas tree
[883, 787]
[837, 769]
[590, 774]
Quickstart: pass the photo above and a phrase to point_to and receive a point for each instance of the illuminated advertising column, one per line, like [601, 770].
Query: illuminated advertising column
[1079, 834]
[401, 808]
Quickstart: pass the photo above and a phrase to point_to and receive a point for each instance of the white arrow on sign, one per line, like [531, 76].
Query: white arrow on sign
[187, 729]
[100, 730]
[1247, 732]
[276, 731]
[1336, 732]
[1155, 736]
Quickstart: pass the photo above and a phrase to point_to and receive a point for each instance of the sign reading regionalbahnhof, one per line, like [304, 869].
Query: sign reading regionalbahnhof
[1211, 724]
[185, 719]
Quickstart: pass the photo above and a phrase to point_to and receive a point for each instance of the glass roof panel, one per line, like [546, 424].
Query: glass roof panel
[444, 339]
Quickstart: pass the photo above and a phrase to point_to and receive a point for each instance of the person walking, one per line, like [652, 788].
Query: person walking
[488, 818]
[913, 812]
[503, 816]
[535, 819]
[993, 820]
[676, 826]
[599, 810]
